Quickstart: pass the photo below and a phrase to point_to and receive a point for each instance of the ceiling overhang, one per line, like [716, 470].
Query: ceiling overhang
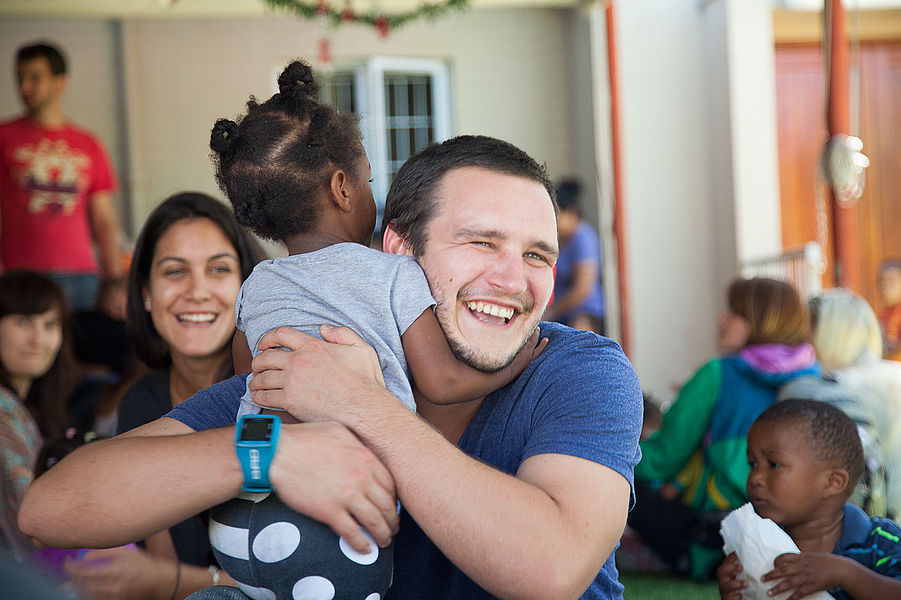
[122, 9]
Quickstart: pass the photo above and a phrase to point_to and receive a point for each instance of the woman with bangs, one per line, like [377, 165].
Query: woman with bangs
[37, 374]
[694, 468]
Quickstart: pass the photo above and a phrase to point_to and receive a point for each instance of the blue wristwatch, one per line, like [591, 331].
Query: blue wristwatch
[256, 437]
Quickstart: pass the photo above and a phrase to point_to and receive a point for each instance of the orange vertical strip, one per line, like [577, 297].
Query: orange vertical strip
[618, 216]
[844, 220]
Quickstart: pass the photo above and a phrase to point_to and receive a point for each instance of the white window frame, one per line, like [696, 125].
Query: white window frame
[369, 97]
[370, 79]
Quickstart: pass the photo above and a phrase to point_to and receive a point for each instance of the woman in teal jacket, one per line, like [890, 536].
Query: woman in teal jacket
[695, 467]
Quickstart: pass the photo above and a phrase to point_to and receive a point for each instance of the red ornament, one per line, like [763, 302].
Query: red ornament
[348, 13]
[325, 52]
[383, 26]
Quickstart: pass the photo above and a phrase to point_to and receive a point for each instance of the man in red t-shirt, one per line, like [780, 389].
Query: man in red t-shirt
[56, 186]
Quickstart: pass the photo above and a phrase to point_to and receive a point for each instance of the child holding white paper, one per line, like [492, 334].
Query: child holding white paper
[805, 459]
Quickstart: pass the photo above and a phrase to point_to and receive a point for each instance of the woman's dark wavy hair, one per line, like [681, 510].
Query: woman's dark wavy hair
[773, 309]
[29, 293]
[148, 345]
[275, 161]
[412, 199]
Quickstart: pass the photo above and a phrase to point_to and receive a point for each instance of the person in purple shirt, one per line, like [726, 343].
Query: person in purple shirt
[578, 295]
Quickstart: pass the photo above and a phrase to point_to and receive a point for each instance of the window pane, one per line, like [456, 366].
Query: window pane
[337, 89]
[408, 118]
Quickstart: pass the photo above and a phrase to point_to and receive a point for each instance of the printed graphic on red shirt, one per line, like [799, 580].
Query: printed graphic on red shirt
[53, 173]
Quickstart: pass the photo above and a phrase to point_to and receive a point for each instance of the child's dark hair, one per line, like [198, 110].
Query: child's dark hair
[274, 161]
[832, 434]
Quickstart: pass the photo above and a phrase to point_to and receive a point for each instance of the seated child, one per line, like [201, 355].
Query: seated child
[295, 171]
[805, 459]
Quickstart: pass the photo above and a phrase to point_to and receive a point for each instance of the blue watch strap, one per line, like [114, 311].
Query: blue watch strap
[256, 438]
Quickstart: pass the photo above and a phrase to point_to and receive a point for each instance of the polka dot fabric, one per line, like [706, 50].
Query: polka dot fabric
[274, 553]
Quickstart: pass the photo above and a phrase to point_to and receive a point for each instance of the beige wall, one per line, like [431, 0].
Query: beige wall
[700, 174]
[510, 78]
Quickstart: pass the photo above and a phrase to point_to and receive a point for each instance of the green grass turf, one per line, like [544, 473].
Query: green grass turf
[649, 586]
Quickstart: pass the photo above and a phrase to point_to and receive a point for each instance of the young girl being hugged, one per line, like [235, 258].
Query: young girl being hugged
[295, 171]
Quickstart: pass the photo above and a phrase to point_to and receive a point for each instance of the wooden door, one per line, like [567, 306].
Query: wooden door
[800, 97]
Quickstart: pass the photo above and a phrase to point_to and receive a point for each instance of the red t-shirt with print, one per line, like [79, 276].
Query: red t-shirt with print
[47, 177]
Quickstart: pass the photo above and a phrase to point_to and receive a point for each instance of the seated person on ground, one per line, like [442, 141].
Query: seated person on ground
[805, 459]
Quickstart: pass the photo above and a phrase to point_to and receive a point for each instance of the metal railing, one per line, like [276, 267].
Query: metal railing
[802, 267]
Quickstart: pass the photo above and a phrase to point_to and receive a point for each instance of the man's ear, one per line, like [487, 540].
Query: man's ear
[837, 483]
[61, 82]
[392, 243]
[339, 189]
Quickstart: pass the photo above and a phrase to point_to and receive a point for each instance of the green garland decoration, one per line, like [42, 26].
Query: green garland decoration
[383, 22]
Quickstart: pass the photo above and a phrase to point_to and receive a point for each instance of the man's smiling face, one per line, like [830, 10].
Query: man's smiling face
[489, 256]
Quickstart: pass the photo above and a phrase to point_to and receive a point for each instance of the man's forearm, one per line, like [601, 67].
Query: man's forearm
[517, 537]
[116, 491]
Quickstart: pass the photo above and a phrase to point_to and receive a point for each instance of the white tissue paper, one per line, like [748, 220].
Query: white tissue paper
[758, 542]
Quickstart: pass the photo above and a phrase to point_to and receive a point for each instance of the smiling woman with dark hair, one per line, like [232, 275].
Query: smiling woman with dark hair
[189, 261]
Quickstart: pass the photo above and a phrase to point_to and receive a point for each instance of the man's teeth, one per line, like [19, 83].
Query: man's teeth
[490, 309]
[197, 317]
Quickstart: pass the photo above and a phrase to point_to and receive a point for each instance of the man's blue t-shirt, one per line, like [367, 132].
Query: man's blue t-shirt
[580, 397]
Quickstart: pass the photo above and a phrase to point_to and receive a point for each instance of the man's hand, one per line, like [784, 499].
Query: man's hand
[334, 375]
[805, 573]
[727, 578]
[325, 472]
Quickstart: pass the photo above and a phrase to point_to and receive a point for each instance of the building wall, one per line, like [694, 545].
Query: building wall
[510, 78]
[698, 184]
[700, 170]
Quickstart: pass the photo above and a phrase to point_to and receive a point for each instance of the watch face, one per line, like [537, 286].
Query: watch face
[255, 429]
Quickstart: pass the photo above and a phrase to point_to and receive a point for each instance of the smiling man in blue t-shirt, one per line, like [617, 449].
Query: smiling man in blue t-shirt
[523, 493]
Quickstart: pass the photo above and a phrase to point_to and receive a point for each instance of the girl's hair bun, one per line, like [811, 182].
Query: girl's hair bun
[220, 138]
[297, 82]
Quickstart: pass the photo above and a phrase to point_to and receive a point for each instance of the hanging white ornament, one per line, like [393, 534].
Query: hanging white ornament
[842, 166]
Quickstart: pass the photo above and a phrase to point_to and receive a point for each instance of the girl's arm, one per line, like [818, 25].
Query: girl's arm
[241, 355]
[444, 379]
